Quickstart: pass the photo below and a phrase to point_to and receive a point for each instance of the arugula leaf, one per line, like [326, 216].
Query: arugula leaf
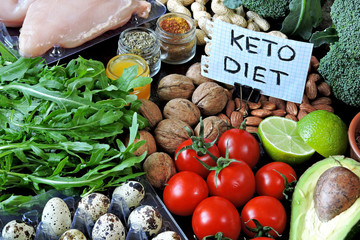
[303, 17]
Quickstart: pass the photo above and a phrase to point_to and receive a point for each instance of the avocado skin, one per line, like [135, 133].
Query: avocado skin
[302, 208]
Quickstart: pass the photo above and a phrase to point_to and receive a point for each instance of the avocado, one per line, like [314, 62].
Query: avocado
[305, 223]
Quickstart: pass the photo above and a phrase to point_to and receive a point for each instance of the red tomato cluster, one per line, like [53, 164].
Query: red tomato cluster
[214, 188]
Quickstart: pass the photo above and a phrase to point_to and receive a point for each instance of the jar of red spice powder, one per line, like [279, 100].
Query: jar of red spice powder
[176, 33]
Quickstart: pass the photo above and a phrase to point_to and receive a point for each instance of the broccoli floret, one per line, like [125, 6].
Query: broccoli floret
[268, 8]
[341, 65]
[341, 70]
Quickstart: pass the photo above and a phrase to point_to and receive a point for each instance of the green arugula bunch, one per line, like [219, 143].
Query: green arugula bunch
[60, 126]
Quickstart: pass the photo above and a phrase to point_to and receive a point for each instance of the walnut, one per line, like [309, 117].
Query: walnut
[175, 86]
[183, 110]
[210, 98]
[214, 127]
[194, 72]
[170, 133]
[150, 111]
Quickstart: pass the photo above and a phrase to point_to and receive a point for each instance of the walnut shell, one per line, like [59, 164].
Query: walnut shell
[210, 98]
[159, 168]
[214, 127]
[150, 111]
[175, 86]
[194, 72]
[170, 133]
[183, 110]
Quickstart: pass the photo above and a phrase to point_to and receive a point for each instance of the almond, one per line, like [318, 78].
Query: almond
[251, 129]
[279, 112]
[236, 119]
[261, 113]
[301, 114]
[307, 107]
[280, 104]
[253, 105]
[228, 94]
[268, 105]
[291, 108]
[314, 77]
[324, 107]
[230, 106]
[324, 89]
[311, 90]
[305, 99]
[314, 63]
[322, 100]
[292, 117]
[253, 121]
[263, 98]
[241, 106]
[225, 119]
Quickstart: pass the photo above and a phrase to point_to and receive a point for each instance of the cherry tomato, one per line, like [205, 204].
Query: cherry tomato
[241, 146]
[183, 192]
[269, 181]
[236, 182]
[186, 160]
[268, 211]
[216, 214]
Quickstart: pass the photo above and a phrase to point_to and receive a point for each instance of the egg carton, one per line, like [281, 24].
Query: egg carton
[32, 211]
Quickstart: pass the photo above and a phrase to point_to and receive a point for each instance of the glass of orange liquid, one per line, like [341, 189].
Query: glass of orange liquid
[117, 64]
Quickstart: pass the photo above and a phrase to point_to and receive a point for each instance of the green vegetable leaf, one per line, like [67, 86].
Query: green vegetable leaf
[327, 36]
[232, 4]
[6, 54]
[303, 17]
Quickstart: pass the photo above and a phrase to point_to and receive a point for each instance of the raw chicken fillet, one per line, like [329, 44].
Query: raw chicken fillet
[12, 12]
[70, 23]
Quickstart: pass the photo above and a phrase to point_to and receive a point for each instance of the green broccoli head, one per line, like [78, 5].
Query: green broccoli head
[345, 15]
[341, 70]
[268, 8]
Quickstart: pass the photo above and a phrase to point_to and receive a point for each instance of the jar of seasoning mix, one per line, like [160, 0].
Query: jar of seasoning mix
[117, 64]
[176, 33]
[143, 42]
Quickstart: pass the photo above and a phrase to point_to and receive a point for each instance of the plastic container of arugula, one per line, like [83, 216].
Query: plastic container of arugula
[61, 127]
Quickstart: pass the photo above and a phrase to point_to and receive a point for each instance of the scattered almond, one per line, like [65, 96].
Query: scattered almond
[279, 112]
[263, 98]
[311, 90]
[314, 77]
[324, 89]
[307, 107]
[291, 108]
[236, 119]
[301, 114]
[261, 113]
[322, 100]
[228, 94]
[253, 105]
[292, 117]
[225, 118]
[251, 129]
[324, 107]
[230, 106]
[305, 99]
[268, 105]
[253, 121]
[314, 62]
[280, 104]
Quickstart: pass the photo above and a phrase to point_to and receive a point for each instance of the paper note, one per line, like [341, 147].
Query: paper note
[276, 66]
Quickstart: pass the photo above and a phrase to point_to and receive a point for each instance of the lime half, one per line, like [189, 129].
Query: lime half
[282, 141]
[325, 132]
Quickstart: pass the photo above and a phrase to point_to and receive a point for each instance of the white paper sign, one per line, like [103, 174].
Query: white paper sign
[276, 66]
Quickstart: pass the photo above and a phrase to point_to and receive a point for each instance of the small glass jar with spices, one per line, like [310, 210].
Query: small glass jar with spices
[176, 33]
[143, 42]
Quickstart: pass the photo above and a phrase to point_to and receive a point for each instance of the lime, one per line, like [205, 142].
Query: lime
[282, 141]
[325, 132]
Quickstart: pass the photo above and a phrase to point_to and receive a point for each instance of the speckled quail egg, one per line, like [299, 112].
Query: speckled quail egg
[72, 234]
[167, 235]
[57, 214]
[133, 192]
[108, 227]
[148, 218]
[95, 204]
[18, 230]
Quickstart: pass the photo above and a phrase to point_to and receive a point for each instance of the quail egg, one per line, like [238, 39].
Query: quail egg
[148, 218]
[108, 227]
[72, 234]
[167, 235]
[133, 192]
[57, 215]
[95, 204]
[18, 230]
